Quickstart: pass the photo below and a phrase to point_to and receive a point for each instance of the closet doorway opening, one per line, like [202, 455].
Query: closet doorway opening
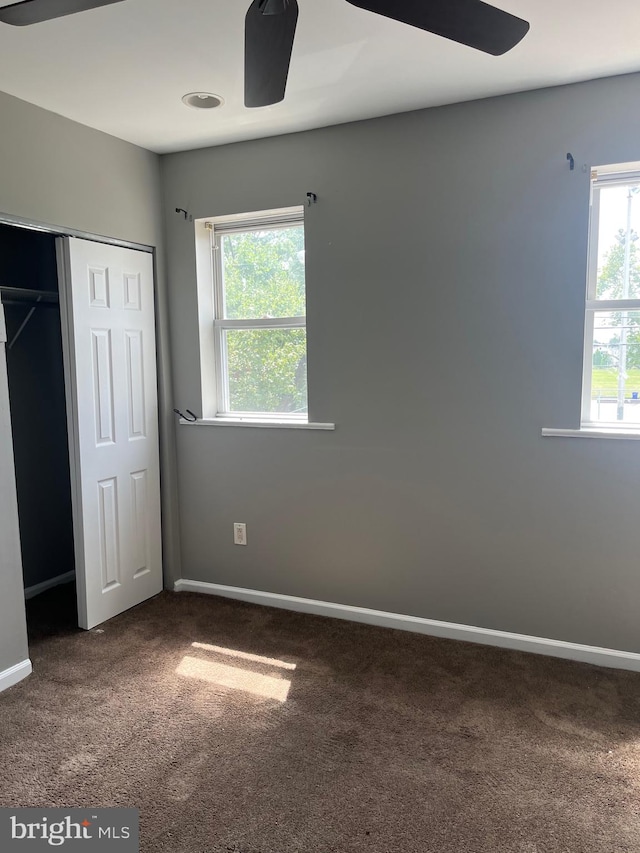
[30, 296]
[80, 349]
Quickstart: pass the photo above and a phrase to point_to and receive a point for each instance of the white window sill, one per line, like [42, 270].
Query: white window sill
[593, 432]
[254, 422]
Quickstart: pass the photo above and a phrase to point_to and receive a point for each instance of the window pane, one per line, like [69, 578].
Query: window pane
[615, 379]
[267, 370]
[263, 273]
[618, 249]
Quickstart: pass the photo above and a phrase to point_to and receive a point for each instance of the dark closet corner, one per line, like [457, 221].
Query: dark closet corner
[38, 407]
[53, 613]
[27, 256]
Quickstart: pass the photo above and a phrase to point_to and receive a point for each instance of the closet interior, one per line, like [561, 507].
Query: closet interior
[30, 299]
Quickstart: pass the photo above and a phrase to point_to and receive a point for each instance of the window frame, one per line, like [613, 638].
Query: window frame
[241, 224]
[593, 305]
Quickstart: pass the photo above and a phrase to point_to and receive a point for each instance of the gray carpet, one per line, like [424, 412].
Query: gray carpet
[321, 736]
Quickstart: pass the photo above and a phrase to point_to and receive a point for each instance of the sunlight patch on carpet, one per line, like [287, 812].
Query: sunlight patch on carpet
[235, 678]
[243, 655]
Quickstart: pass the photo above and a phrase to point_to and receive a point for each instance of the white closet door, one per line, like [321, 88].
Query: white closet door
[108, 321]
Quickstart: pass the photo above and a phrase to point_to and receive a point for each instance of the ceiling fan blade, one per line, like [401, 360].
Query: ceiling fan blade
[469, 22]
[35, 11]
[270, 27]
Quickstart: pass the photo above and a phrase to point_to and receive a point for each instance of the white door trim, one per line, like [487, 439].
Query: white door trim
[59, 231]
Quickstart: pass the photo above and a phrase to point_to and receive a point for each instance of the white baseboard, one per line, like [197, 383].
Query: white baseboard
[449, 630]
[32, 591]
[14, 674]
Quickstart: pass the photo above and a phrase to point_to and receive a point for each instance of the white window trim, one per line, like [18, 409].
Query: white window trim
[212, 325]
[257, 422]
[588, 432]
[589, 428]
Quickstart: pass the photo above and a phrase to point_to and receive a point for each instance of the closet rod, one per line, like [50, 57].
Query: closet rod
[23, 294]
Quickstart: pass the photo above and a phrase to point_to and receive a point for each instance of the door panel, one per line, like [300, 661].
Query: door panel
[107, 310]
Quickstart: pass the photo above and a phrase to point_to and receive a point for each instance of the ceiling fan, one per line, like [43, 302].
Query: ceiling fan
[270, 27]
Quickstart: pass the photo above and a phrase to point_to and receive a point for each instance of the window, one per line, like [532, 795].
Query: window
[611, 376]
[259, 322]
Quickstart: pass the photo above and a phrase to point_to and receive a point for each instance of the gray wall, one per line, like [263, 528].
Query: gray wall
[59, 172]
[446, 276]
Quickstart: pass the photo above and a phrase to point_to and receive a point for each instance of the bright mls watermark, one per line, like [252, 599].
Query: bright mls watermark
[35, 830]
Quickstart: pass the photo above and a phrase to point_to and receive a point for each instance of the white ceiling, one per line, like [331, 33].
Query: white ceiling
[123, 69]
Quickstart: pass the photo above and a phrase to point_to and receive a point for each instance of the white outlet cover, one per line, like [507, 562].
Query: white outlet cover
[240, 533]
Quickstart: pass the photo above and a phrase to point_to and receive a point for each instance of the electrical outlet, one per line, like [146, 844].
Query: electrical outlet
[240, 533]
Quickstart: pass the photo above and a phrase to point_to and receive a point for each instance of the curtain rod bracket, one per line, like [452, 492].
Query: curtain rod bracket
[192, 419]
[572, 162]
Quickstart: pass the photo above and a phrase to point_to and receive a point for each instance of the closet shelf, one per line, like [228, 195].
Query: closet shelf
[22, 295]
